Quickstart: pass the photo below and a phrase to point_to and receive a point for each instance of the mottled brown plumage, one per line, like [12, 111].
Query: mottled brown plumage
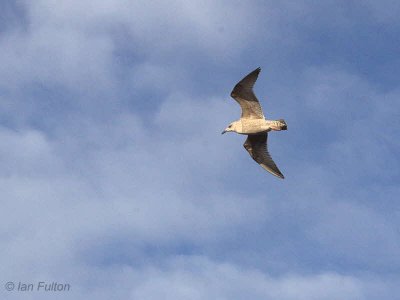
[254, 124]
[256, 145]
[244, 95]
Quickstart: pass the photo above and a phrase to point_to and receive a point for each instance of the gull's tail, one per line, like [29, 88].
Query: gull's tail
[282, 124]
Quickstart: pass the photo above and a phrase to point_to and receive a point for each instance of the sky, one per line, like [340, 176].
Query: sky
[116, 180]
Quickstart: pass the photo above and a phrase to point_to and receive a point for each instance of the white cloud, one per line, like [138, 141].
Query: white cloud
[197, 278]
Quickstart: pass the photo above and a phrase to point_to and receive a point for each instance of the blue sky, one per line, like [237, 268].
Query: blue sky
[115, 178]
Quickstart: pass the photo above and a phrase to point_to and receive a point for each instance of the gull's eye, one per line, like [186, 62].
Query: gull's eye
[230, 126]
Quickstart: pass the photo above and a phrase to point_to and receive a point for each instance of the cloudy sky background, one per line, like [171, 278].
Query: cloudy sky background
[115, 178]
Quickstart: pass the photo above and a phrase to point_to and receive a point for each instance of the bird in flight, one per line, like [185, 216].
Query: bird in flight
[253, 123]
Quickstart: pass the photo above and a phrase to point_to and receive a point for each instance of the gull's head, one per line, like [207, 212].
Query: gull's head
[231, 127]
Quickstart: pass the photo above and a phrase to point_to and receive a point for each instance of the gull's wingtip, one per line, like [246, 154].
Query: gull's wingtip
[279, 175]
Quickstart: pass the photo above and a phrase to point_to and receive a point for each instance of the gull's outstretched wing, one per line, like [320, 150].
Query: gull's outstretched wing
[256, 145]
[244, 95]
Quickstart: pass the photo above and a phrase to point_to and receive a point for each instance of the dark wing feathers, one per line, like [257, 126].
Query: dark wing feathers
[244, 95]
[256, 145]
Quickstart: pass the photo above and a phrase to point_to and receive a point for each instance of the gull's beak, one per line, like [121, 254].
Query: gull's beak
[223, 131]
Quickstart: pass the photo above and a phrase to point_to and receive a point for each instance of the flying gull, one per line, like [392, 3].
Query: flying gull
[253, 123]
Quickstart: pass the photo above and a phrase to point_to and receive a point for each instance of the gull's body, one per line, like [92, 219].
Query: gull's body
[254, 124]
